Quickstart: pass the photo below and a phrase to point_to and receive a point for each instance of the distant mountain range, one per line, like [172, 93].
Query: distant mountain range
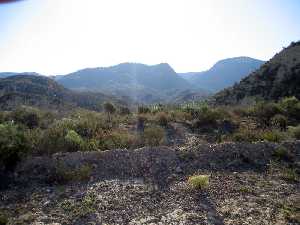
[223, 74]
[277, 78]
[142, 83]
[44, 92]
[156, 83]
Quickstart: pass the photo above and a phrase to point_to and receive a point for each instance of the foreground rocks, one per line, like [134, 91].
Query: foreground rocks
[249, 184]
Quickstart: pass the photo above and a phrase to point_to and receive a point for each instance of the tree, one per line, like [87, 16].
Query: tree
[110, 109]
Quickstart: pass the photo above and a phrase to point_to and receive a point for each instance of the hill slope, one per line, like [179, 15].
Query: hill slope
[141, 82]
[277, 78]
[44, 92]
[224, 73]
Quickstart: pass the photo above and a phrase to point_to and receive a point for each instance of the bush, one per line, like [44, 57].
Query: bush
[143, 110]
[26, 116]
[13, 145]
[3, 219]
[291, 107]
[63, 174]
[281, 153]
[198, 181]
[296, 132]
[73, 141]
[162, 118]
[263, 112]
[279, 121]
[154, 136]
[124, 111]
[246, 135]
[118, 139]
[272, 136]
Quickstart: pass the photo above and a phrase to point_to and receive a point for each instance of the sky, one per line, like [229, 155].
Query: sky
[61, 36]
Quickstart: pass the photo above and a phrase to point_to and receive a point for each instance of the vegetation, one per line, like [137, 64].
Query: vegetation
[32, 131]
[198, 181]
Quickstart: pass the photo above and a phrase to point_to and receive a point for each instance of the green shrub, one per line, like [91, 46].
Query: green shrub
[13, 145]
[27, 116]
[154, 136]
[245, 135]
[198, 181]
[272, 136]
[3, 219]
[63, 174]
[296, 132]
[118, 139]
[291, 107]
[264, 111]
[279, 121]
[282, 153]
[73, 141]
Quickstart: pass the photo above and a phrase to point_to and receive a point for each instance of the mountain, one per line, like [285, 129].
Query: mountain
[277, 78]
[224, 73]
[141, 82]
[41, 91]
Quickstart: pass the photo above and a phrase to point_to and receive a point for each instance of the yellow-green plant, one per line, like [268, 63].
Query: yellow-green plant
[198, 181]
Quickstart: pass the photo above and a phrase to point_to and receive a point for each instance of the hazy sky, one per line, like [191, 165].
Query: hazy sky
[61, 36]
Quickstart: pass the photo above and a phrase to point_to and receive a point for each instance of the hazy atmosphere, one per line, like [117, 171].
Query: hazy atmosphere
[149, 112]
[62, 36]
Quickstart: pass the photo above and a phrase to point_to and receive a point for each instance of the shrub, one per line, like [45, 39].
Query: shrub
[118, 139]
[162, 119]
[296, 132]
[282, 153]
[272, 136]
[124, 111]
[73, 141]
[263, 112]
[279, 121]
[291, 107]
[198, 181]
[246, 135]
[27, 116]
[3, 219]
[290, 174]
[13, 145]
[63, 174]
[143, 110]
[154, 136]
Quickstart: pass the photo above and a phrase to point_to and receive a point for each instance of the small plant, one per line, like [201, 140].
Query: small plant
[73, 141]
[143, 110]
[124, 111]
[291, 212]
[63, 174]
[198, 181]
[154, 136]
[245, 135]
[279, 121]
[13, 145]
[3, 219]
[290, 174]
[272, 136]
[296, 132]
[162, 119]
[281, 153]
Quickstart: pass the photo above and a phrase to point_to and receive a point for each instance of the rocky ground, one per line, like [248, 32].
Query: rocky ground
[249, 184]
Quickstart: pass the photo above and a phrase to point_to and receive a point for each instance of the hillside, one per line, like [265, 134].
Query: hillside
[224, 73]
[277, 78]
[141, 82]
[44, 92]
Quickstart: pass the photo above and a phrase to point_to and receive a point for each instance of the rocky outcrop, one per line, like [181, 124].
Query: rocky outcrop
[277, 78]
